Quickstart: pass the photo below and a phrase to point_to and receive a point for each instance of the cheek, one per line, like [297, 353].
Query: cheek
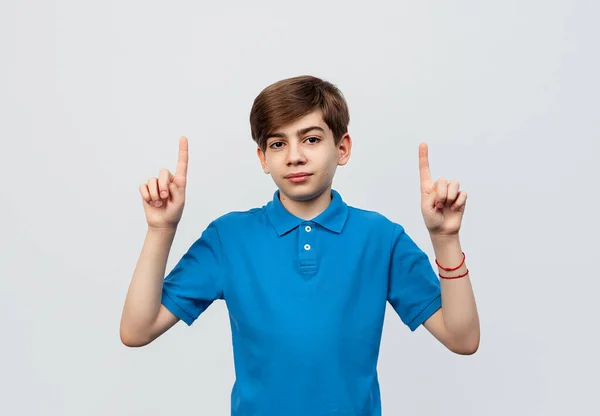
[333, 161]
[270, 161]
[329, 166]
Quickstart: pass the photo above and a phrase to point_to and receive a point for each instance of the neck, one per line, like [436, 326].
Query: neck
[309, 209]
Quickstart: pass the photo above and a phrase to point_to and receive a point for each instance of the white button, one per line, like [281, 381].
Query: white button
[307, 228]
[306, 247]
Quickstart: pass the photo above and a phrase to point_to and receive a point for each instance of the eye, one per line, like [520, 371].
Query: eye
[273, 145]
[316, 139]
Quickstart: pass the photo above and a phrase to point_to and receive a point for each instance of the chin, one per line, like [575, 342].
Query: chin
[301, 192]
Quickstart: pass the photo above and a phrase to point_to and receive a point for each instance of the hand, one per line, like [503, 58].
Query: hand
[442, 204]
[164, 198]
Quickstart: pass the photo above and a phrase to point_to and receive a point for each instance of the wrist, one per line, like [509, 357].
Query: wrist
[449, 254]
[162, 231]
[445, 239]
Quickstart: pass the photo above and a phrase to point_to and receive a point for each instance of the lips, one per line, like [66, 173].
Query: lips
[298, 175]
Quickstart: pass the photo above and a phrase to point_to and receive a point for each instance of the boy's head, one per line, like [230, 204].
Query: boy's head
[279, 120]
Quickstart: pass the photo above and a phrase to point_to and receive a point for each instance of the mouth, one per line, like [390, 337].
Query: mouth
[298, 177]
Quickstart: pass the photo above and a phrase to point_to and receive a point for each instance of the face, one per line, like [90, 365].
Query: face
[302, 157]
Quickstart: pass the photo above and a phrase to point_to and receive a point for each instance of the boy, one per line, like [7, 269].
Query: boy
[306, 277]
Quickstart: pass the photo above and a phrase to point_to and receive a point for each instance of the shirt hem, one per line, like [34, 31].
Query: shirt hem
[426, 313]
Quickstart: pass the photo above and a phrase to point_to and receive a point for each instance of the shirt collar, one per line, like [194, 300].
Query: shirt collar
[333, 218]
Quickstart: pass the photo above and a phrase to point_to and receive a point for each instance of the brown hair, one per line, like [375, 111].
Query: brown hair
[290, 99]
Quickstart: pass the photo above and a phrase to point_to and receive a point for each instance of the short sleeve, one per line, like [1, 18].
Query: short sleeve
[413, 287]
[196, 280]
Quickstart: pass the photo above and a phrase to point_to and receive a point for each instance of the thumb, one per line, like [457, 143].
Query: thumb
[428, 200]
[177, 193]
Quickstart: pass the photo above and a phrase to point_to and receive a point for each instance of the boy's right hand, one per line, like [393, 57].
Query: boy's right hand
[164, 197]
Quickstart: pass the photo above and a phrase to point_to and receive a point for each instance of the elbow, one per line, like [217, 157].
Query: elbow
[467, 346]
[466, 349]
[131, 339]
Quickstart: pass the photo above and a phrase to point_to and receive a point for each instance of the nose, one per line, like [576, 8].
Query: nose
[295, 154]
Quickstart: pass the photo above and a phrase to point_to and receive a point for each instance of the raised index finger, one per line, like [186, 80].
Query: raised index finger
[424, 167]
[182, 160]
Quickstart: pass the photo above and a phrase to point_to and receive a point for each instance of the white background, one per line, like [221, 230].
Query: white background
[96, 94]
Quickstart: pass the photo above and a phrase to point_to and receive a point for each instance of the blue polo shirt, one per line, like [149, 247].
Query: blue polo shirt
[306, 302]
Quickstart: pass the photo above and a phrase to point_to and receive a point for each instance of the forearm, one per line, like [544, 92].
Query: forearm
[145, 290]
[459, 310]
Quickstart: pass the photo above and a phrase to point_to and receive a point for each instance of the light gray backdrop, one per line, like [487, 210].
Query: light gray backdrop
[96, 95]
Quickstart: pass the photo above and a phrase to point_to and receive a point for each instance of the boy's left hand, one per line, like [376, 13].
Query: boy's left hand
[442, 203]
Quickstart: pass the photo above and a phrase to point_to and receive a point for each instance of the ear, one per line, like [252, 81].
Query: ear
[263, 160]
[344, 149]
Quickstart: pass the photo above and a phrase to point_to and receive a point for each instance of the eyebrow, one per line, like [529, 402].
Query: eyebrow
[300, 132]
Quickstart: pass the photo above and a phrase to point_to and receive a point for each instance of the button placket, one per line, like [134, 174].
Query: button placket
[308, 256]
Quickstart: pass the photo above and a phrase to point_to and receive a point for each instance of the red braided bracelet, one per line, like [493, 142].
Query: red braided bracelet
[450, 269]
[454, 277]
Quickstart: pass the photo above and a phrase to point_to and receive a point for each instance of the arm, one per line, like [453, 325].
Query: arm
[144, 318]
[456, 324]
